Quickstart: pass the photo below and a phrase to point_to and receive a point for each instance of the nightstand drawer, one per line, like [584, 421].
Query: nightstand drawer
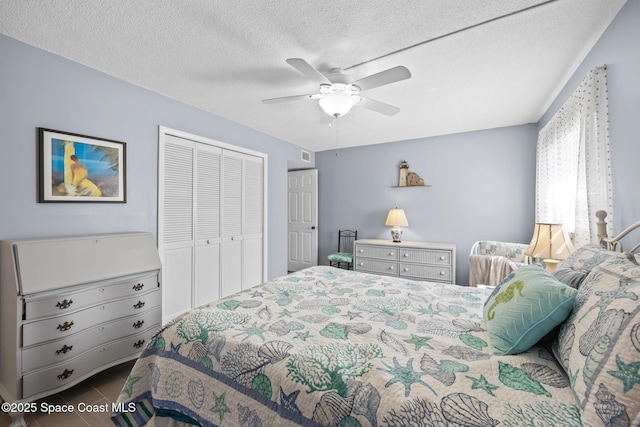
[375, 266]
[377, 252]
[426, 272]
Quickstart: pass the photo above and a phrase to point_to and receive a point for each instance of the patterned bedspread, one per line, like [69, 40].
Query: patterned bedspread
[331, 347]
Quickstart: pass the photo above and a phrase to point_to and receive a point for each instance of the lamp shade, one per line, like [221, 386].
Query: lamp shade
[337, 104]
[397, 217]
[549, 241]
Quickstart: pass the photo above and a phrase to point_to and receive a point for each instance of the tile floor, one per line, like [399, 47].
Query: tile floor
[102, 388]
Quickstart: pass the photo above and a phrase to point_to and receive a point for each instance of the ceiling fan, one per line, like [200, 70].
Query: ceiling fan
[338, 94]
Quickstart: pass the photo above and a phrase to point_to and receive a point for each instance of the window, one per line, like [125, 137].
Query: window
[573, 168]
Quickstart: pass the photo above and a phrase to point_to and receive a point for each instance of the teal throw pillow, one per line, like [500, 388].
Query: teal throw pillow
[524, 307]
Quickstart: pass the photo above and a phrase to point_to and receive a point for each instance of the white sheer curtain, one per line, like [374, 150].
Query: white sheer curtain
[573, 168]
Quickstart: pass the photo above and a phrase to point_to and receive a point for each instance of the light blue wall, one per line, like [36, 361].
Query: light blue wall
[618, 49]
[483, 182]
[38, 89]
[482, 188]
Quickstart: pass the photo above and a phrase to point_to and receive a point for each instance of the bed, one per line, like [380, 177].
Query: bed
[331, 347]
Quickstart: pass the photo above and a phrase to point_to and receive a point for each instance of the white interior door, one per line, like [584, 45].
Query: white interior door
[302, 219]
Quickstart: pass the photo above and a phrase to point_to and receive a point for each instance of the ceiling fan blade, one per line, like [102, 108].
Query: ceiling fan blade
[307, 70]
[286, 98]
[382, 78]
[378, 106]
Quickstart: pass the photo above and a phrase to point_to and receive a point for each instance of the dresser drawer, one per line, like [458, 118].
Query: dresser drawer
[426, 256]
[71, 301]
[375, 266]
[57, 351]
[73, 369]
[65, 325]
[378, 252]
[426, 272]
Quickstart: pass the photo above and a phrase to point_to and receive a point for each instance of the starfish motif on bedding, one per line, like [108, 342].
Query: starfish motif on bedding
[482, 384]
[627, 373]
[220, 407]
[257, 294]
[430, 311]
[289, 400]
[353, 314]
[303, 335]
[253, 330]
[419, 342]
[405, 375]
[286, 313]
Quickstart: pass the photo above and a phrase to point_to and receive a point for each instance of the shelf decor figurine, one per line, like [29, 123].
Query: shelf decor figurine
[409, 179]
[404, 171]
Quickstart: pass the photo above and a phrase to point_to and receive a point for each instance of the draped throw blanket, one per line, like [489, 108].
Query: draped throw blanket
[488, 269]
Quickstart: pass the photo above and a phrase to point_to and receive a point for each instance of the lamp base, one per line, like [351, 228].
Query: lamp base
[396, 233]
[550, 265]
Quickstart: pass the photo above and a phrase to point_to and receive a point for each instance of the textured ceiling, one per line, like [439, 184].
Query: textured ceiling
[475, 64]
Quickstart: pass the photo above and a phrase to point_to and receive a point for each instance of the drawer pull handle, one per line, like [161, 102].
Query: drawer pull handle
[64, 304]
[138, 286]
[406, 255]
[66, 374]
[139, 344]
[361, 264]
[361, 251]
[442, 273]
[391, 267]
[442, 258]
[139, 304]
[65, 348]
[65, 326]
[391, 253]
[138, 324]
[406, 269]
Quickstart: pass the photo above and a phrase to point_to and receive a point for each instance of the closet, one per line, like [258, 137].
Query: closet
[211, 219]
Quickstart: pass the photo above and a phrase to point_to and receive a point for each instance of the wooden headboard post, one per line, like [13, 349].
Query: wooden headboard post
[602, 225]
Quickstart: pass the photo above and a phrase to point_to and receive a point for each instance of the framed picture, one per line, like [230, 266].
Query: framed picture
[80, 168]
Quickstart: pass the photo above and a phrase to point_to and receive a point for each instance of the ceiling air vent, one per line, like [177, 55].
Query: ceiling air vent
[305, 156]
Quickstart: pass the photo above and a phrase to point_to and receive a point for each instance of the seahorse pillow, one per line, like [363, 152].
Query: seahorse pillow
[599, 344]
[524, 307]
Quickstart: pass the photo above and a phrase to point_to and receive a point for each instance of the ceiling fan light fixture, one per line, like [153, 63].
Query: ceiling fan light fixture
[337, 104]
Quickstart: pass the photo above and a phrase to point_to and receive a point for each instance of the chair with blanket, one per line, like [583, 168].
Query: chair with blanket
[491, 261]
[344, 256]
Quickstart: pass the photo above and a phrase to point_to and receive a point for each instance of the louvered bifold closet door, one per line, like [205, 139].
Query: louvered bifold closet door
[253, 221]
[207, 223]
[231, 231]
[176, 222]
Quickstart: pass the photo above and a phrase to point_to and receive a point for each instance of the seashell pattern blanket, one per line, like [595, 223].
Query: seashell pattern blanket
[331, 347]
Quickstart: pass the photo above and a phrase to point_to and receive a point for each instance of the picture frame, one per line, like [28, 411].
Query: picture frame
[80, 168]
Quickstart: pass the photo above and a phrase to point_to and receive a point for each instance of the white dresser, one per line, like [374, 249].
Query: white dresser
[434, 262]
[71, 307]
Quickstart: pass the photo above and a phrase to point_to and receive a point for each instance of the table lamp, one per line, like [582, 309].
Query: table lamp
[551, 243]
[396, 219]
